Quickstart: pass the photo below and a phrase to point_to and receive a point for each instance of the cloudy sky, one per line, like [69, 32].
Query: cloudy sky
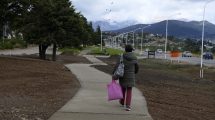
[145, 11]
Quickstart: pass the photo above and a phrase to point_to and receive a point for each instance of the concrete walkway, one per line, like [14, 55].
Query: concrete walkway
[26, 51]
[90, 103]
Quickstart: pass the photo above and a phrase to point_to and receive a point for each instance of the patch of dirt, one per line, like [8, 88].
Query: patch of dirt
[174, 92]
[33, 89]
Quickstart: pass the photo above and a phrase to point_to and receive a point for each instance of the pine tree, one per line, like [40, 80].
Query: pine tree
[47, 22]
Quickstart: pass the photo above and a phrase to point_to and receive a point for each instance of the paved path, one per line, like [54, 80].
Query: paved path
[17, 51]
[90, 103]
[26, 51]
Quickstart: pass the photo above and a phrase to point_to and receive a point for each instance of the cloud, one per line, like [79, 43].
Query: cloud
[144, 11]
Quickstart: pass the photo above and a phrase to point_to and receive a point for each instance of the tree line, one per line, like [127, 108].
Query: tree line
[48, 22]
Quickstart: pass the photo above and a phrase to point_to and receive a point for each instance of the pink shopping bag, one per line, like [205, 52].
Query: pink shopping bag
[114, 91]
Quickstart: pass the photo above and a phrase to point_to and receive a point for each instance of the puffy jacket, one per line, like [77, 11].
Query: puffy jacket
[130, 69]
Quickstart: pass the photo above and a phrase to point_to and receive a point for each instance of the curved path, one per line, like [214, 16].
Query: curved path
[90, 103]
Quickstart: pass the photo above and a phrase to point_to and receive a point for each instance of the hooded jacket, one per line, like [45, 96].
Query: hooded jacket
[130, 69]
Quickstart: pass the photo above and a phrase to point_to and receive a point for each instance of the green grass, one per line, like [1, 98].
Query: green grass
[112, 51]
[96, 50]
[72, 51]
[105, 51]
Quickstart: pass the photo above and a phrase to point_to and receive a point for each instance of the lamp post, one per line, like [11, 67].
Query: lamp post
[203, 33]
[167, 22]
[114, 39]
[133, 35]
[3, 33]
[133, 39]
[126, 39]
[142, 37]
[101, 40]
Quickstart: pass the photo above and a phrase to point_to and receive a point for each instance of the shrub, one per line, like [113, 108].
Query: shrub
[13, 43]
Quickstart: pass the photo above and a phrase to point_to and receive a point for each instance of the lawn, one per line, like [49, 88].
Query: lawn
[105, 51]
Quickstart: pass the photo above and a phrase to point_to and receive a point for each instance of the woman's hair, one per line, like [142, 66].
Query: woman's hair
[128, 48]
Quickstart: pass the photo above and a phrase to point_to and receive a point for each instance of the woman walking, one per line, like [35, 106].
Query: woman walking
[128, 79]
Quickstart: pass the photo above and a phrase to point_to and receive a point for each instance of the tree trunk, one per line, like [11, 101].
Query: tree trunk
[54, 52]
[84, 44]
[42, 51]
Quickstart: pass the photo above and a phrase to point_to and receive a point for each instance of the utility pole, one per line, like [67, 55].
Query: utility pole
[101, 40]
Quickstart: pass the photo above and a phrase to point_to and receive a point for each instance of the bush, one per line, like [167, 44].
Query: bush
[6, 45]
[12, 43]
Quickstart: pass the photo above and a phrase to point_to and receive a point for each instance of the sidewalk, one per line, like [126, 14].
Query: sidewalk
[26, 51]
[90, 103]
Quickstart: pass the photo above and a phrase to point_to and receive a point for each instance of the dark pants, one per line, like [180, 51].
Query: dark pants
[127, 93]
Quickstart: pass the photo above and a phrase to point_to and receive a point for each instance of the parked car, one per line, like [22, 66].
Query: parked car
[187, 54]
[159, 51]
[147, 49]
[207, 55]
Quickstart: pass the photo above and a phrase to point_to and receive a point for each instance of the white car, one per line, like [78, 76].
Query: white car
[159, 51]
[187, 54]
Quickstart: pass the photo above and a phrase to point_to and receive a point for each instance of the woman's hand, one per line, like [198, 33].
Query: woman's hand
[114, 77]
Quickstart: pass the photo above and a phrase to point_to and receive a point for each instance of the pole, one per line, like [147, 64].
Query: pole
[167, 22]
[3, 34]
[142, 37]
[203, 31]
[142, 42]
[115, 42]
[203, 34]
[112, 42]
[136, 30]
[122, 42]
[127, 39]
[101, 41]
[166, 38]
[133, 39]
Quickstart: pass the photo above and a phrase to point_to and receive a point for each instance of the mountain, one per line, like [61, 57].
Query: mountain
[182, 29]
[112, 25]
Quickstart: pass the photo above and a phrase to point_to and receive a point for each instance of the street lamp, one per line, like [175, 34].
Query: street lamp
[166, 38]
[142, 37]
[3, 33]
[101, 39]
[126, 39]
[167, 22]
[133, 35]
[203, 33]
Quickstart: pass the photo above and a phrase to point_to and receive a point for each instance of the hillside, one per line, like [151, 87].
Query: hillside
[182, 29]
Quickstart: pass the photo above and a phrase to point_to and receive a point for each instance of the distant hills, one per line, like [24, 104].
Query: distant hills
[182, 29]
[112, 25]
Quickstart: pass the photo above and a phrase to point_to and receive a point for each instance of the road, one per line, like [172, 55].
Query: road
[191, 60]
